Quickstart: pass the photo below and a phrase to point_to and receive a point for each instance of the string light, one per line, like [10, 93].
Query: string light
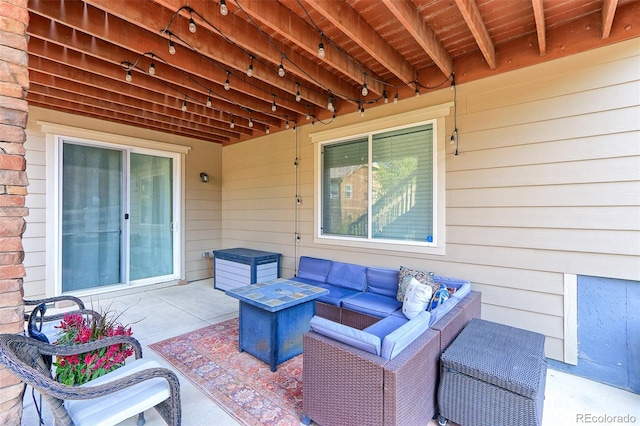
[321, 51]
[209, 100]
[152, 69]
[361, 110]
[308, 113]
[281, 70]
[223, 8]
[250, 69]
[298, 96]
[227, 86]
[330, 105]
[128, 76]
[184, 104]
[273, 104]
[385, 95]
[172, 48]
[250, 120]
[365, 91]
[192, 26]
[395, 97]
[417, 92]
[232, 124]
[267, 130]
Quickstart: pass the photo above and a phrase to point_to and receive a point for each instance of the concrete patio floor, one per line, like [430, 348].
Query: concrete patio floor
[161, 313]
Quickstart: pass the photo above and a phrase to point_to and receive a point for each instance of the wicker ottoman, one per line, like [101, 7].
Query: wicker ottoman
[493, 374]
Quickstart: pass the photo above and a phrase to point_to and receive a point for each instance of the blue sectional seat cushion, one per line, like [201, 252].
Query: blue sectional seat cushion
[351, 336]
[348, 275]
[372, 304]
[337, 295]
[396, 341]
[312, 268]
[386, 325]
[382, 281]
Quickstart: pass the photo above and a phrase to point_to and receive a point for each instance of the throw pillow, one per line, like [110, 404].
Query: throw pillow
[404, 277]
[416, 299]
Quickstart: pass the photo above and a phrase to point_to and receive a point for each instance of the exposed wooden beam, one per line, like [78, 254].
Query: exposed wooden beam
[287, 24]
[107, 42]
[155, 15]
[608, 12]
[347, 20]
[87, 67]
[408, 15]
[541, 29]
[472, 17]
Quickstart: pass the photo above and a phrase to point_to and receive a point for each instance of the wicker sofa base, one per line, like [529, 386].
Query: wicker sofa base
[493, 374]
[346, 386]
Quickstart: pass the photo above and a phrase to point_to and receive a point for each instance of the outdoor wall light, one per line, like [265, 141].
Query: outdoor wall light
[204, 177]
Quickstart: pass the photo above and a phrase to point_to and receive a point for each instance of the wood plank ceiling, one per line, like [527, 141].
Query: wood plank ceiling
[110, 59]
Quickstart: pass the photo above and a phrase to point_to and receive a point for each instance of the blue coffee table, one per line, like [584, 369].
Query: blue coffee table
[273, 317]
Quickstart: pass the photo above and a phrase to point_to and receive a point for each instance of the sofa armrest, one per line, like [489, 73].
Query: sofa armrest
[411, 380]
[342, 384]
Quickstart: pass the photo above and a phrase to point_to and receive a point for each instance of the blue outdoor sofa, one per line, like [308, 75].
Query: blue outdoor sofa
[365, 362]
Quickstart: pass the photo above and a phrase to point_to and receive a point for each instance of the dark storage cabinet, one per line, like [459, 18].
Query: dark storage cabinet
[238, 267]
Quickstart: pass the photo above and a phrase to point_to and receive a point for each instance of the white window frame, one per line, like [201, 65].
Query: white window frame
[436, 116]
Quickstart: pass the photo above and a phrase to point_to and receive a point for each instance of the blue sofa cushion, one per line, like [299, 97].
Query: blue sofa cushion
[315, 269]
[396, 341]
[348, 275]
[386, 325]
[382, 281]
[336, 295]
[372, 304]
[351, 336]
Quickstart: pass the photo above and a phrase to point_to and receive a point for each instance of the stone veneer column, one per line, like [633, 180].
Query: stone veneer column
[14, 82]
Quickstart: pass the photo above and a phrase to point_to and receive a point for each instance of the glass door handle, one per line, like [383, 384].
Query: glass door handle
[172, 226]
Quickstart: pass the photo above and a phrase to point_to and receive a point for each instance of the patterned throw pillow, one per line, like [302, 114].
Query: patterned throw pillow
[405, 276]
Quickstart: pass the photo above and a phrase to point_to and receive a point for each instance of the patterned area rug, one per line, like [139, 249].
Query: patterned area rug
[243, 385]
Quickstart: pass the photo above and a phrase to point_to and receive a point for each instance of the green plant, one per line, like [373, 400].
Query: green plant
[76, 329]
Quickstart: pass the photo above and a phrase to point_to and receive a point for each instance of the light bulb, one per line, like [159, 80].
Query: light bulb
[395, 98]
[321, 50]
[298, 96]
[281, 70]
[330, 106]
[223, 8]
[250, 71]
[184, 105]
[362, 111]
[152, 69]
[128, 76]
[209, 101]
[286, 124]
[273, 106]
[232, 124]
[268, 130]
[250, 122]
[192, 25]
[226, 83]
[172, 48]
[365, 91]
[385, 95]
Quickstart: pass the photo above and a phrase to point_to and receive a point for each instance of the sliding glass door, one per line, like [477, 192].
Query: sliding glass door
[117, 217]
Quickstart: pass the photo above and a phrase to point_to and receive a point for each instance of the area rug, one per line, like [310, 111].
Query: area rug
[243, 385]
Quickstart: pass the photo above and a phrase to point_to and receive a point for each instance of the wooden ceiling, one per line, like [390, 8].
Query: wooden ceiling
[81, 51]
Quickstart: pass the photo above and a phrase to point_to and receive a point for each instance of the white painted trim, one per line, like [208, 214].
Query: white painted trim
[85, 134]
[367, 126]
[571, 319]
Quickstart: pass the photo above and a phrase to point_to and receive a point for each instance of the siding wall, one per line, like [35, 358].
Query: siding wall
[202, 201]
[547, 183]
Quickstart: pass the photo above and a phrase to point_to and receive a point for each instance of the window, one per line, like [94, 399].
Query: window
[387, 180]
